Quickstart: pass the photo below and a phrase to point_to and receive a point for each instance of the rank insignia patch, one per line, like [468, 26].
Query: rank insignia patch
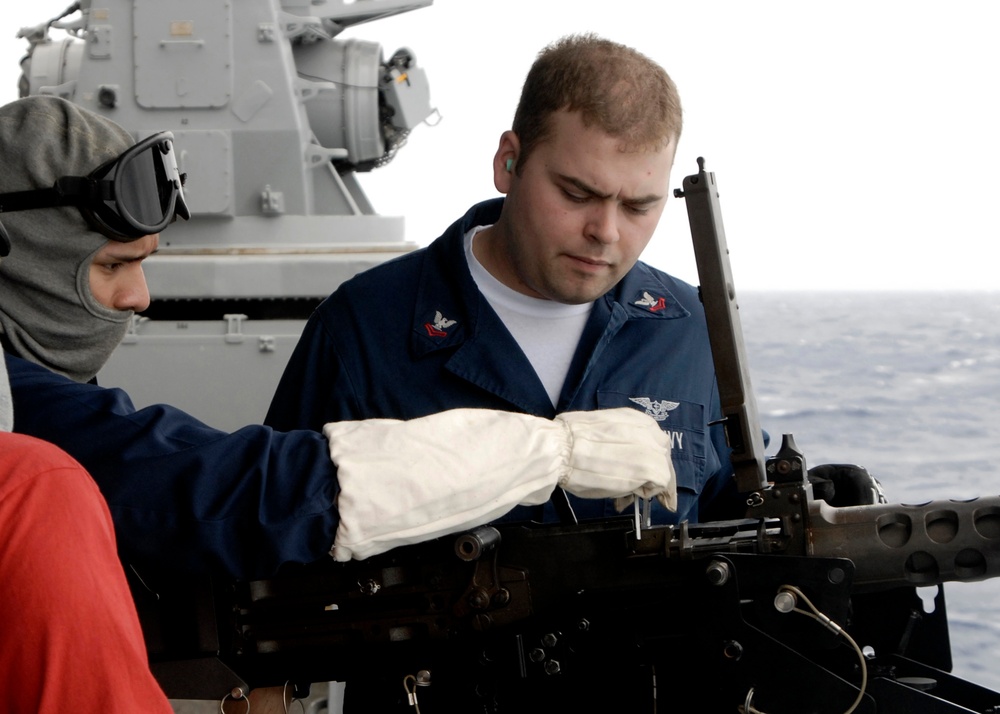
[440, 326]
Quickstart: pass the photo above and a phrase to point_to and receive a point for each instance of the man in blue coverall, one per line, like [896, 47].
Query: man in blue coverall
[537, 302]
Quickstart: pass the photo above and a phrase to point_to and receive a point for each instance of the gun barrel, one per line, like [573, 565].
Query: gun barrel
[901, 544]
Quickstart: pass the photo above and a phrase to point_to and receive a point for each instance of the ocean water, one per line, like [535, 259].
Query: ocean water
[904, 384]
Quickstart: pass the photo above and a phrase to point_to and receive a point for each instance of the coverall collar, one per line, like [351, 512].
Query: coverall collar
[454, 315]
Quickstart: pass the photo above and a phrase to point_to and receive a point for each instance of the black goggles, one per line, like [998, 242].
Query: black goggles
[137, 194]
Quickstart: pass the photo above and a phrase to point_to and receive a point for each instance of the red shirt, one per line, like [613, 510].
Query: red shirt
[70, 638]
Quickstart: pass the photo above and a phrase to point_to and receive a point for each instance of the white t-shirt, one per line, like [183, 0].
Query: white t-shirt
[546, 331]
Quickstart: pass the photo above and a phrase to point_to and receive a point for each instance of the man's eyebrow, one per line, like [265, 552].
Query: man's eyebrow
[591, 191]
[128, 257]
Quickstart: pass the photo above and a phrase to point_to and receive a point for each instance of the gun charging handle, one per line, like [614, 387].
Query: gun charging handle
[718, 296]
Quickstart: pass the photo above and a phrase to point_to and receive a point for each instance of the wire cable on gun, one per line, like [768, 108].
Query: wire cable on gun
[787, 600]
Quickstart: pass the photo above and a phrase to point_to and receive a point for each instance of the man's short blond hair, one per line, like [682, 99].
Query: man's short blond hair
[614, 87]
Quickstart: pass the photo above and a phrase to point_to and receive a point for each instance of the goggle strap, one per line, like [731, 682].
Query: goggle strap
[82, 189]
[28, 200]
[67, 191]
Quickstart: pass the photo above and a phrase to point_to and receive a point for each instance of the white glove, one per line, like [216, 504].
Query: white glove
[404, 482]
[619, 452]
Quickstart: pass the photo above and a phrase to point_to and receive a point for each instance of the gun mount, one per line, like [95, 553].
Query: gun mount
[274, 117]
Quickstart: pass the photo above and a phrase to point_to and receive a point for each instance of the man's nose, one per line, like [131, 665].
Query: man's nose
[134, 294]
[602, 222]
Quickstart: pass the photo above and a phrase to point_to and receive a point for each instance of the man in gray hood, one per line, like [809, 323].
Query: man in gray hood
[48, 313]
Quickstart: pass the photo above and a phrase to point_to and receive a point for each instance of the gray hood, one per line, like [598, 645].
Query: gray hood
[47, 312]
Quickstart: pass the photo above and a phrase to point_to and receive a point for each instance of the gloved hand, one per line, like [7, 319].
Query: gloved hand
[404, 482]
[619, 452]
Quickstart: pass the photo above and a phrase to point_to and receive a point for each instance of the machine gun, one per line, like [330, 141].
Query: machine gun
[510, 610]
[601, 614]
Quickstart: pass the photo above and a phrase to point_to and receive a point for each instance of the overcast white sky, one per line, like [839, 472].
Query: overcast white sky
[855, 143]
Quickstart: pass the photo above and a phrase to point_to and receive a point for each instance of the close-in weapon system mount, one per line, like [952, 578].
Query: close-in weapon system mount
[800, 607]
[276, 117]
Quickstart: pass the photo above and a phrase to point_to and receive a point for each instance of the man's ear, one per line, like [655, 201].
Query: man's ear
[505, 161]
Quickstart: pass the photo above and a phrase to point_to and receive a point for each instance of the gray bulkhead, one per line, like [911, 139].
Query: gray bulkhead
[273, 118]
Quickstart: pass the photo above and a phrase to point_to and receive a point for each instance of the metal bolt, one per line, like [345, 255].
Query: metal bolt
[536, 655]
[717, 572]
[479, 599]
[732, 650]
[552, 667]
[785, 601]
[550, 640]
